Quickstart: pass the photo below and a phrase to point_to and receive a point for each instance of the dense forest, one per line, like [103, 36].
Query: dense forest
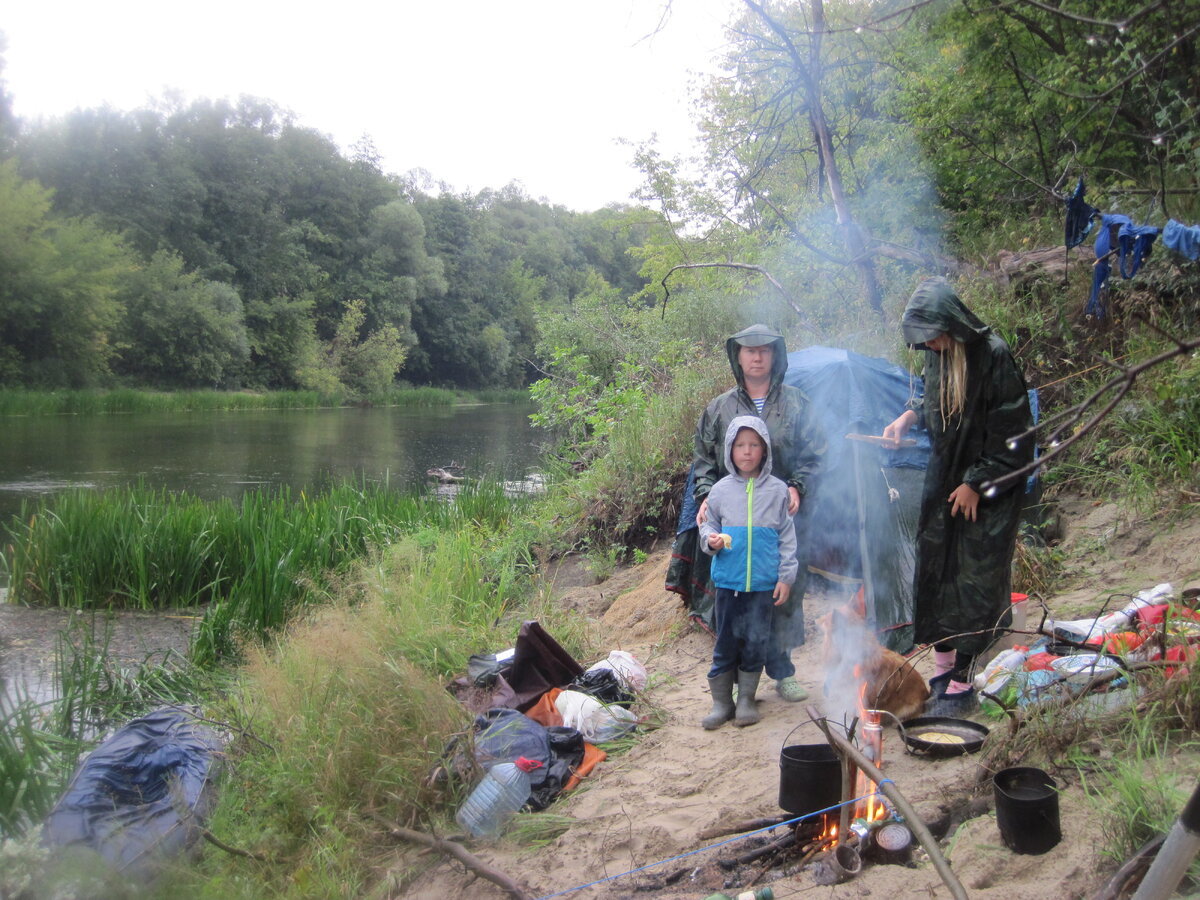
[849, 150]
[220, 245]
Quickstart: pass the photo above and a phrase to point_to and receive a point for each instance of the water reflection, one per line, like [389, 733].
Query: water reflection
[224, 454]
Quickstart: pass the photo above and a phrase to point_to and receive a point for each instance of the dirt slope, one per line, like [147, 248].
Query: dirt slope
[647, 807]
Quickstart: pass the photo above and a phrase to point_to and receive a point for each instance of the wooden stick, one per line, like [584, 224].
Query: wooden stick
[717, 831]
[459, 852]
[217, 842]
[911, 819]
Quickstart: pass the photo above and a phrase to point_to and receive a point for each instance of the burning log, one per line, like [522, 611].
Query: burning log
[902, 805]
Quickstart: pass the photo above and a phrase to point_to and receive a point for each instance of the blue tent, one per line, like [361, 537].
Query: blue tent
[860, 515]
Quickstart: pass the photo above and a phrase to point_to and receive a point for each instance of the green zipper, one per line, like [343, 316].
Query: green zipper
[749, 527]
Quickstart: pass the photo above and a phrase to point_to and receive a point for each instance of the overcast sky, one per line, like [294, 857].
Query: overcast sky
[478, 92]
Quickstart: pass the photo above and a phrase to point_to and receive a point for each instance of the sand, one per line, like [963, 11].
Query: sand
[643, 812]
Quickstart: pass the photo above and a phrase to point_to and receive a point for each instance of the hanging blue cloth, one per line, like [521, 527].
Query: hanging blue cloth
[1109, 223]
[1135, 242]
[1183, 239]
[1080, 217]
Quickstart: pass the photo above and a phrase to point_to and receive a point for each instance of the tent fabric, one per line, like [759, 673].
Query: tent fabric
[866, 502]
[142, 796]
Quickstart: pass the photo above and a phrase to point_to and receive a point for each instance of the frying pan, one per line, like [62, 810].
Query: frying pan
[972, 734]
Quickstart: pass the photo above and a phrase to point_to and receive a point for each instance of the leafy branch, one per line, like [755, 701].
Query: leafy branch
[744, 266]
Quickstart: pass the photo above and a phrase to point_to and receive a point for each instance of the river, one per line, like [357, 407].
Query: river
[224, 454]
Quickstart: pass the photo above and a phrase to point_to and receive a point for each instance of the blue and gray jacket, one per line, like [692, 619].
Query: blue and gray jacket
[754, 512]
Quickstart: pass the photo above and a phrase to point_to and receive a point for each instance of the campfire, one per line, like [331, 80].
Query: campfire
[866, 825]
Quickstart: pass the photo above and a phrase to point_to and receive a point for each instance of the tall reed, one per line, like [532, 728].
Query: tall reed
[18, 402]
[251, 561]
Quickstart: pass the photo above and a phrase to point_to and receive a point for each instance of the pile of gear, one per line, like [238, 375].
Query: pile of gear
[535, 701]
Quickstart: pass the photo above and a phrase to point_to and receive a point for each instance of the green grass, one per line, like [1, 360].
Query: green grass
[351, 720]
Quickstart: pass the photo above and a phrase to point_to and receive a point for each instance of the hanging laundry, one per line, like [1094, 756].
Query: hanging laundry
[1183, 239]
[1080, 217]
[1132, 245]
[1135, 242]
[1110, 225]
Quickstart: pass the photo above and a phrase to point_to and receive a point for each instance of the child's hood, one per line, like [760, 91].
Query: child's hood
[760, 427]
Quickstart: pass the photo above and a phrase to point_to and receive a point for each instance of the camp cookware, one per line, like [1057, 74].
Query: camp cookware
[939, 736]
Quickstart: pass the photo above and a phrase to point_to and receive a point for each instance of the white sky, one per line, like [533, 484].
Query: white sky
[478, 93]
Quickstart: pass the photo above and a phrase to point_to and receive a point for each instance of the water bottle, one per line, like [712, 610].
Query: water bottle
[504, 789]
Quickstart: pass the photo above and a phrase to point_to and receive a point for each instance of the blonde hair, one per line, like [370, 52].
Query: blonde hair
[952, 385]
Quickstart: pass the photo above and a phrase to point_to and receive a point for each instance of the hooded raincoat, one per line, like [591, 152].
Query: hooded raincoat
[797, 446]
[797, 443]
[962, 582]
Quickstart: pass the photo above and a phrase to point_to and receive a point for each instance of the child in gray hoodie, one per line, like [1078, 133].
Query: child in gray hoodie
[752, 540]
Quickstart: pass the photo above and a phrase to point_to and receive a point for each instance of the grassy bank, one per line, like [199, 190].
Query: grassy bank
[335, 724]
[98, 402]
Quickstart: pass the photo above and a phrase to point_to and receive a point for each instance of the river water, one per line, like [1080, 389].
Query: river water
[224, 454]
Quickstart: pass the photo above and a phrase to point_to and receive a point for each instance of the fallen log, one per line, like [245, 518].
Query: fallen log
[460, 853]
[911, 819]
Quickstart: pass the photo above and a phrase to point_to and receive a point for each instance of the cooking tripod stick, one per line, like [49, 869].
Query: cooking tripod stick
[911, 819]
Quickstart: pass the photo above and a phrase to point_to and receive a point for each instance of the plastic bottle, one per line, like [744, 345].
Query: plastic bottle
[503, 790]
[763, 893]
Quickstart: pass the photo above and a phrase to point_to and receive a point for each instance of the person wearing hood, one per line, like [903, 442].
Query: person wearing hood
[750, 534]
[975, 402]
[758, 358]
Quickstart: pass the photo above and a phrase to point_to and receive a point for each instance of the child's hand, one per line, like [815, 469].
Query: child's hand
[718, 542]
[782, 592]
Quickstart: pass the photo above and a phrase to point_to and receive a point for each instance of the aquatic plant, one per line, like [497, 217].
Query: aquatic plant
[251, 563]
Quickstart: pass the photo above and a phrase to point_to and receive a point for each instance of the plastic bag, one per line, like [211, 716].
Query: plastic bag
[630, 672]
[595, 721]
[603, 684]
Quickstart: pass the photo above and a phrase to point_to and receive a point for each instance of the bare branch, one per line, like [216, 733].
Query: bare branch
[1149, 63]
[458, 852]
[744, 266]
[1120, 385]
[1103, 23]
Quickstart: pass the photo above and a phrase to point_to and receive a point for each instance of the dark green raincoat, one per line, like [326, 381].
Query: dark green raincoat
[797, 442]
[962, 581]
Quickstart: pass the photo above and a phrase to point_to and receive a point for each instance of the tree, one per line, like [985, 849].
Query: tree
[363, 366]
[58, 285]
[801, 156]
[180, 330]
[1013, 100]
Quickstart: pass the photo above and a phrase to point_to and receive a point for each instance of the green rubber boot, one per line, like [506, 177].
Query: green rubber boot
[722, 697]
[747, 710]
